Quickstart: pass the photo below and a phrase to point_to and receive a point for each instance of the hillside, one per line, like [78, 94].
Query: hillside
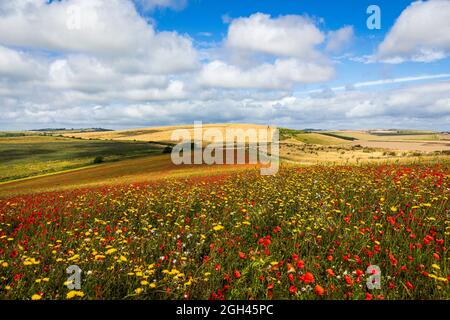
[158, 134]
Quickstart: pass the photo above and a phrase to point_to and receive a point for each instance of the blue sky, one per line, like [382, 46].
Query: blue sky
[207, 16]
[137, 63]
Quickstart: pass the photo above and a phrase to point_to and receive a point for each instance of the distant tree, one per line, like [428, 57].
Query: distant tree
[167, 149]
[98, 160]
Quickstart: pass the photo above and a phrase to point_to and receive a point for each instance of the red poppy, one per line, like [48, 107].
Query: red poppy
[348, 279]
[308, 278]
[409, 285]
[293, 289]
[330, 272]
[291, 277]
[368, 296]
[319, 290]
[242, 255]
[277, 229]
[237, 274]
[393, 260]
[300, 264]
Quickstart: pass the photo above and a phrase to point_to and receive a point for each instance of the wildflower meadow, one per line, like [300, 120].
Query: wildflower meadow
[305, 233]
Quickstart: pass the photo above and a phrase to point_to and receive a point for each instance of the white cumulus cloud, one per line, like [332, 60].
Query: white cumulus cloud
[337, 40]
[291, 36]
[421, 33]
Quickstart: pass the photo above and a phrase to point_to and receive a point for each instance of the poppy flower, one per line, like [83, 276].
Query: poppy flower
[308, 278]
[409, 285]
[237, 274]
[291, 277]
[330, 272]
[242, 255]
[319, 290]
[293, 289]
[348, 279]
[368, 296]
[300, 264]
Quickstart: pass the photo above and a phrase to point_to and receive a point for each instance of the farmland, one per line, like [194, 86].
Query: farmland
[140, 227]
[306, 233]
[28, 155]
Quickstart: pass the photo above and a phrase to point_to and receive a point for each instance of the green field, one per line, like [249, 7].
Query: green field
[22, 156]
[320, 139]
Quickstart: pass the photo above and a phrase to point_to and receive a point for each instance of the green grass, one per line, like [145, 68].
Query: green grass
[318, 138]
[25, 156]
[12, 134]
[286, 133]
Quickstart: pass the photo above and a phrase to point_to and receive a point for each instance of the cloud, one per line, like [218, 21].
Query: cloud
[64, 74]
[17, 65]
[420, 106]
[110, 30]
[262, 52]
[421, 34]
[339, 39]
[352, 86]
[289, 36]
[152, 4]
[282, 74]
[425, 106]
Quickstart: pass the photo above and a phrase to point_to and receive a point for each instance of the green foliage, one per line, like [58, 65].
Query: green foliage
[338, 136]
[22, 157]
[286, 133]
[99, 159]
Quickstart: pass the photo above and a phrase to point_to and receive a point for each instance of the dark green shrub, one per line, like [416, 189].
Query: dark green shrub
[98, 160]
